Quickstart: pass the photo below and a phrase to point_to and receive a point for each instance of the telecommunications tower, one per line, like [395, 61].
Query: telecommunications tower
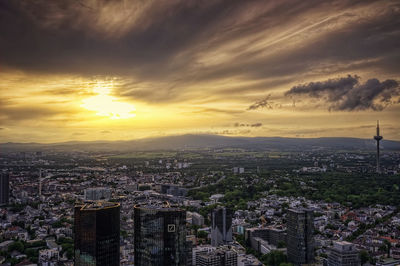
[377, 138]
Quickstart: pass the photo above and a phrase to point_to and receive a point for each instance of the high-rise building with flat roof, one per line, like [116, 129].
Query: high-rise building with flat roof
[97, 193]
[221, 256]
[343, 254]
[97, 232]
[160, 235]
[4, 188]
[221, 226]
[300, 241]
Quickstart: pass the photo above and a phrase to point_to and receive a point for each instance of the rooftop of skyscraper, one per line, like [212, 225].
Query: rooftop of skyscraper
[97, 205]
[159, 206]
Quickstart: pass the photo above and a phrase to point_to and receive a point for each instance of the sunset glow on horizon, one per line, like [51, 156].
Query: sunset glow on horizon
[119, 70]
[106, 105]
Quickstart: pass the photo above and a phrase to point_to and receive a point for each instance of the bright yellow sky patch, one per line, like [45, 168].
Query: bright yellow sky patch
[106, 105]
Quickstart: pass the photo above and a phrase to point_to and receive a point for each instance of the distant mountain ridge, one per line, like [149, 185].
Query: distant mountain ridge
[191, 141]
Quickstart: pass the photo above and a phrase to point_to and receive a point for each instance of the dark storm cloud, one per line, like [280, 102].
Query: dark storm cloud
[264, 103]
[348, 94]
[213, 111]
[63, 36]
[17, 113]
[166, 43]
[11, 112]
[256, 125]
[247, 125]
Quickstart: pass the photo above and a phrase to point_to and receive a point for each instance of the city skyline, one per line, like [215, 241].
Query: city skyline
[120, 70]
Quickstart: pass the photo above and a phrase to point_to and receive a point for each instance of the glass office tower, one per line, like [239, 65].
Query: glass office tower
[300, 236]
[221, 226]
[96, 239]
[160, 235]
[4, 188]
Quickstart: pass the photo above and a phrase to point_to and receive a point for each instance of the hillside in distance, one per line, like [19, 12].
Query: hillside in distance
[209, 141]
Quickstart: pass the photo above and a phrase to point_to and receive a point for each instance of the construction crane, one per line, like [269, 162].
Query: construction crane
[263, 220]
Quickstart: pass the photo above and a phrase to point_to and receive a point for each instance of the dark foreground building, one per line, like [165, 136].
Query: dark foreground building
[96, 237]
[160, 235]
[4, 188]
[300, 241]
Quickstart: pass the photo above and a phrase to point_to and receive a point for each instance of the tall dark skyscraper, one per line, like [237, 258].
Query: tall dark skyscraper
[160, 235]
[221, 226]
[377, 138]
[300, 242]
[97, 229]
[4, 188]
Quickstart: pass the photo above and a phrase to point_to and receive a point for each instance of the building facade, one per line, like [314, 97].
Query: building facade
[300, 241]
[221, 226]
[4, 188]
[97, 234]
[274, 236]
[160, 235]
[343, 254]
[97, 193]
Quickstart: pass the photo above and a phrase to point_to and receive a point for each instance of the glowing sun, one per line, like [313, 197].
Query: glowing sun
[106, 105]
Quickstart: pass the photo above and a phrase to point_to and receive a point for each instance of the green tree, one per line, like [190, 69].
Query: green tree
[281, 244]
[274, 258]
[124, 234]
[17, 245]
[364, 257]
[202, 234]
[388, 246]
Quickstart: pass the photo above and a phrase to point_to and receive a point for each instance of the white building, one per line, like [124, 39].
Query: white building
[98, 193]
[48, 257]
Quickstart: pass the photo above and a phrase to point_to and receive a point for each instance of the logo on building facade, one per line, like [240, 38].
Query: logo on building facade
[171, 228]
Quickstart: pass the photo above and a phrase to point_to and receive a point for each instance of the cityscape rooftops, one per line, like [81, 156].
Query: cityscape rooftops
[159, 206]
[343, 246]
[299, 210]
[97, 205]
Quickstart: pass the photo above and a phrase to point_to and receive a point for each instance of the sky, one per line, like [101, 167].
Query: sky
[127, 69]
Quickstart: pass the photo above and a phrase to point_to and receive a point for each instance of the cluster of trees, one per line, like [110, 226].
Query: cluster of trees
[355, 189]
[237, 190]
[30, 249]
[67, 245]
[274, 258]
[62, 222]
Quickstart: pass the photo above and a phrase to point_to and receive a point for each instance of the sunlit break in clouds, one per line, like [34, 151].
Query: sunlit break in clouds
[128, 69]
[106, 105]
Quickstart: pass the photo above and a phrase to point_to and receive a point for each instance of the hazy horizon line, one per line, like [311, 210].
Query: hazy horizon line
[190, 134]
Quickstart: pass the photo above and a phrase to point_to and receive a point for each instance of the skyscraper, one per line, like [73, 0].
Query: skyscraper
[40, 183]
[97, 193]
[300, 242]
[221, 226]
[4, 188]
[97, 226]
[160, 235]
[343, 254]
[377, 138]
